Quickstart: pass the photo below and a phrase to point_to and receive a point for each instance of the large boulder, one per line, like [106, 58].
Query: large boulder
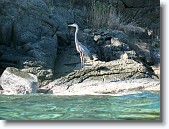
[14, 81]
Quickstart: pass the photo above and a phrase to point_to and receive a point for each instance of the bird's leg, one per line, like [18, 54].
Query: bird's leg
[83, 61]
[81, 58]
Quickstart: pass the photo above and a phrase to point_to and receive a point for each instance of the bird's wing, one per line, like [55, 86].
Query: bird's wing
[84, 49]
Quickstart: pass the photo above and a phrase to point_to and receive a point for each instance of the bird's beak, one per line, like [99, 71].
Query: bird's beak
[70, 25]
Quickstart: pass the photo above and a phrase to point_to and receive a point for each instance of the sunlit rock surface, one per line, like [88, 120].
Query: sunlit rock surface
[14, 81]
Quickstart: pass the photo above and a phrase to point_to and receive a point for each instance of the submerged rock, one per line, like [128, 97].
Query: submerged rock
[13, 81]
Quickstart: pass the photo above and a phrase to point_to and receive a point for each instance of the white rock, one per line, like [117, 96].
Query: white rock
[14, 81]
[116, 42]
[124, 56]
[97, 37]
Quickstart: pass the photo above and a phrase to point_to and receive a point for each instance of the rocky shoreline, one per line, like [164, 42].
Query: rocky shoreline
[98, 79]
[105, 88]
[101, 88]
[113, 88]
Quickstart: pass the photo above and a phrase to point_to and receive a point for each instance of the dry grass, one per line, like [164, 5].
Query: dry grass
[104, 15]
[100, 14]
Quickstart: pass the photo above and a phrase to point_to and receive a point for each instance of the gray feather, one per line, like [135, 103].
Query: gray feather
[85, 50]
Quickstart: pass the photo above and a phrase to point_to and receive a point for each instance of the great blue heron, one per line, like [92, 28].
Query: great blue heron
[80, 47]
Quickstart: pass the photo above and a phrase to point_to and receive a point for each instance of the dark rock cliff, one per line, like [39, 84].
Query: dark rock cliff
[35, 38]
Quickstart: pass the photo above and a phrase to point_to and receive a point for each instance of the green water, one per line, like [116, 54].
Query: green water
[143, 106]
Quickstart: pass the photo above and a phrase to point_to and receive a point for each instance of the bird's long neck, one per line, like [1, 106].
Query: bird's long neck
[77, 29]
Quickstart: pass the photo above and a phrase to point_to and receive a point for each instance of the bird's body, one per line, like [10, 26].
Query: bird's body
[80, 47]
